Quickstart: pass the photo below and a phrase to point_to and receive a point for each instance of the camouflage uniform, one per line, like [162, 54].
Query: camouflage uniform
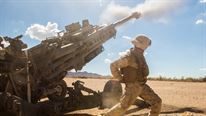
[133, 72]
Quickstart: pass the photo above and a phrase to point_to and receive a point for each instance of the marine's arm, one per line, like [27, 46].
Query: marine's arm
[116, 65]
[121, 63]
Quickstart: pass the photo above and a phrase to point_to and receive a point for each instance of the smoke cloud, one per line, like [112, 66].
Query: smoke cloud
[156, 10]
[41, 32]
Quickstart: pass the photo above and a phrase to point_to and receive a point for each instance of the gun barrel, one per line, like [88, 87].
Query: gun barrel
[124, 20]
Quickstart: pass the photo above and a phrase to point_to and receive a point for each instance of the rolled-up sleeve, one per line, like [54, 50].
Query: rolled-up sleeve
[127, 60]
[117, 65]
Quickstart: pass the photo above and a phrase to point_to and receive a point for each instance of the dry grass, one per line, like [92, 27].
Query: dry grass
[182, 79]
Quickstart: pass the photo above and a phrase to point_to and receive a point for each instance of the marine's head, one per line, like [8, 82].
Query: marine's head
[142, 42]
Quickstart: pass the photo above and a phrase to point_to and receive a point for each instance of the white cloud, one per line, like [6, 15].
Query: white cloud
[121, 54]
[203, 69]
[41, 32]
[73, 70]
[202, 1]
[126, 37]
[107, 61]
[200, 21]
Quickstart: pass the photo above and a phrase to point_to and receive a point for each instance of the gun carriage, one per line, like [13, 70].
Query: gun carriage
[38, 72]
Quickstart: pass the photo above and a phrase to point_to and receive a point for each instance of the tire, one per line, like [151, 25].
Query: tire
[111, 94]
[59, 96]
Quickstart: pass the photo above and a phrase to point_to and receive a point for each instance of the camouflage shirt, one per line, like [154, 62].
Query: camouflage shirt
[131, 67]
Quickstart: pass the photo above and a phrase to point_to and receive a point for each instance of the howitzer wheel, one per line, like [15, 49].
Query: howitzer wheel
[111, 94]
[60, 95]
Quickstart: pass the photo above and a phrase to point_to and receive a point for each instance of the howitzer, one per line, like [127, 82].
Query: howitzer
[47, 63]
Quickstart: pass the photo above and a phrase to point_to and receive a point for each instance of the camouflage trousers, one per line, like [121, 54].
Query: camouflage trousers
[132, 91]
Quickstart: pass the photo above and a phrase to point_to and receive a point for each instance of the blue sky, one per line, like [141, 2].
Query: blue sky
[178, 43]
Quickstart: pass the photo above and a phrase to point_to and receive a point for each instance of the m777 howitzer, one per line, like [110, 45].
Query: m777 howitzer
[39, 72]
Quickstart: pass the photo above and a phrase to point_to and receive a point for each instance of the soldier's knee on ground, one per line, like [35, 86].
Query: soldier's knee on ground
[156, 107]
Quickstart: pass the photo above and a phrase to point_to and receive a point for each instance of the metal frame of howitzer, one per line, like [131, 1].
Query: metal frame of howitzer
[48, 62]
[75, 100]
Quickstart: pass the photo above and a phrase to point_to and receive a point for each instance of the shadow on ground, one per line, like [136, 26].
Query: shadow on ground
[186, 109]
[167, 109]
[140, 105]
[77, 114]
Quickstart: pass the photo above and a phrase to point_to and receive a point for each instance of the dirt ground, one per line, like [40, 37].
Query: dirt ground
[179, 98]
